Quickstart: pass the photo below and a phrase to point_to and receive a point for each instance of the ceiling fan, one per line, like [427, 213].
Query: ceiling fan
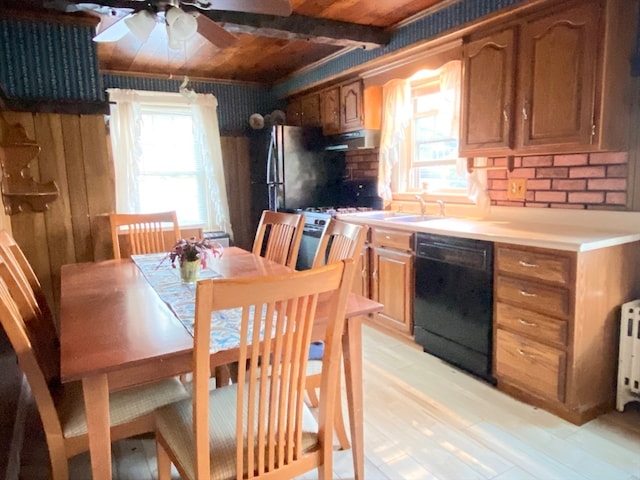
[182, 18]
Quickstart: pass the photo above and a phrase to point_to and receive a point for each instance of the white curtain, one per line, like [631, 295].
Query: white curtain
[394, 148]
[450, 89]
[206, 130]
[125, 139]
[396, 118]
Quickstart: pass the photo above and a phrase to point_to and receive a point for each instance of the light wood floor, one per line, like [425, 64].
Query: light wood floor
[426, 420]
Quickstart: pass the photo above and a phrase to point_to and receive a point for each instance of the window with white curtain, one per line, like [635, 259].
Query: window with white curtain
[419, 138]
[171, 171]
[168, 156]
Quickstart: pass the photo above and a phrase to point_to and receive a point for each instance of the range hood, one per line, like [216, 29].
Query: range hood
[360, 139]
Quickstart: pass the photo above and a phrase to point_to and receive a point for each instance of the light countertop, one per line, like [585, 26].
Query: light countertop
[587, 233]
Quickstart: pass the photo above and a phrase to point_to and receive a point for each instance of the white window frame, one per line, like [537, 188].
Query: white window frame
[199, 173]
[457, 195]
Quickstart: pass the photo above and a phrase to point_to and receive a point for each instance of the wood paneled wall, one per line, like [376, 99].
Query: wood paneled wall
[75, 154]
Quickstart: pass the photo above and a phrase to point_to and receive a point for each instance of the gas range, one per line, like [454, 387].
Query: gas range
[333, 211]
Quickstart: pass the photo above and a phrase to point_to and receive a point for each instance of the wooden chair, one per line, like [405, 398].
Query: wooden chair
[145, 231]
[32, 304]
[61, 407]
[208, 436]
[278, 237]
[340, 241]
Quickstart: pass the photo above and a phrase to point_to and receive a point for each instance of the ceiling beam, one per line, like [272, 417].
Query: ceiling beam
[299, 27]
[292, 27]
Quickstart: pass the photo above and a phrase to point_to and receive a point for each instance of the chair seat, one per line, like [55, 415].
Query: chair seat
[124, 406]
[174, 423]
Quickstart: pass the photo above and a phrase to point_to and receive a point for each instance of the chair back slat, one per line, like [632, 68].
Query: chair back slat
[145, 232]
[275, 333]
[282, 233]
[340, 240]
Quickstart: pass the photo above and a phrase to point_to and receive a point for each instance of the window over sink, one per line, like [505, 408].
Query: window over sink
[419, 147]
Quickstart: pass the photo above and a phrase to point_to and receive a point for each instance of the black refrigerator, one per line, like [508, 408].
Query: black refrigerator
[290, 170]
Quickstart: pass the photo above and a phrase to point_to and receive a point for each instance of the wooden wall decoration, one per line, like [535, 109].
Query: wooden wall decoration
[19, 189]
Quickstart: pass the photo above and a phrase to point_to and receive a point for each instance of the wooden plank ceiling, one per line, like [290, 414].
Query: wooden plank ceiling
[266, 49]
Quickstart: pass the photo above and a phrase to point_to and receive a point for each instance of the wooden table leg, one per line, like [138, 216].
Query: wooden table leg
[96, 401]
[352, 352]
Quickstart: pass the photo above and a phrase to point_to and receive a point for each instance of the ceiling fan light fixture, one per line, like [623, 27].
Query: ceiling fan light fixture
[141, 24]
[182, 25]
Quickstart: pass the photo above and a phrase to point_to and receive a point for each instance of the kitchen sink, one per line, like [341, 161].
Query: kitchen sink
[411, 218]
[383, 215]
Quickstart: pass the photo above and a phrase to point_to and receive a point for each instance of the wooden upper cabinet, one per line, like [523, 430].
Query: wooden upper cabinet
[558, 73]
[555, 82]
[487, 107]
[310, 109]
[330, 110]
[351, 101]
[294, 112]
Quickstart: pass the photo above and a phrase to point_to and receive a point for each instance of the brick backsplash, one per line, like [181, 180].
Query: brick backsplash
[585, 181]
[595, 181]
[362, 164]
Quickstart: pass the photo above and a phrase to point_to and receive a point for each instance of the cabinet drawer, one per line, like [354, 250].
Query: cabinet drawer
[392, 238]
[531, 324]
[536, 265]
[534, 367]
[534, 296]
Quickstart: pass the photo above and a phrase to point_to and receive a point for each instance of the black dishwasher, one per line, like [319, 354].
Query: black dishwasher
[453, 303]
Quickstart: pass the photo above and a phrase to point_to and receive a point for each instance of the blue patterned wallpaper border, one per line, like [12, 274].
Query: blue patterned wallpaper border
[43, 60]
[235, 101]
[440, 21]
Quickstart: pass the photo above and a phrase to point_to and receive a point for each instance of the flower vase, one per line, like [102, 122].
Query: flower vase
[189, 271]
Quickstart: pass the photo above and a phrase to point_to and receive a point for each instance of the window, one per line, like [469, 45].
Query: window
[171, 172]
[167, 156]
[434, 146]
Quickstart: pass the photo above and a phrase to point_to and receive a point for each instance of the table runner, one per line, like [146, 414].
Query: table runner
[181, 299]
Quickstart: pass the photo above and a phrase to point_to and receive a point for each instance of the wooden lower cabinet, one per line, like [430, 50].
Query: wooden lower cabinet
[392, 279]
[556, 317]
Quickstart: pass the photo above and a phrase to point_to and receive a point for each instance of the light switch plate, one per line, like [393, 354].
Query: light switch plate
[516, 188]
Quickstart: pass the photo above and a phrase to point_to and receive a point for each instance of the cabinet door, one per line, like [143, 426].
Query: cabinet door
[361, 277]
[351, 106]
[330, 110]
[294, 113]
[558, 72]
[488, 94]
[310, 109]
[392, 286]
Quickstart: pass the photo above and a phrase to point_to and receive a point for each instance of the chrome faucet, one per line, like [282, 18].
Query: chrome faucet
[423, 205]
[441, 205]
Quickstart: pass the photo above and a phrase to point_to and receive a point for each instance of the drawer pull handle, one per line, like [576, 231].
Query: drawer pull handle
[527, 265]
[387, 237]
[527, 294]
[527, 324]
[525, 354]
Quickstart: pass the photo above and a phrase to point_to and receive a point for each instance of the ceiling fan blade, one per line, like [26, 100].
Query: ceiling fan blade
[112, 32]
[266, 7]
[214, 32]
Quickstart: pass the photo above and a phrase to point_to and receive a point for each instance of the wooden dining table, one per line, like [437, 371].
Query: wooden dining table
[117, 332]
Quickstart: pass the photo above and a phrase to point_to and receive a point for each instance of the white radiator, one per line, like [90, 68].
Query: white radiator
[629, 359]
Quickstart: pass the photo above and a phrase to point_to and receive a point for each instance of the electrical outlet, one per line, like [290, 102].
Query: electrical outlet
[516, 188]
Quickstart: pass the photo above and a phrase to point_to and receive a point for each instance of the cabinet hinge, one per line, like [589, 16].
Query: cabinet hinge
[593, 132]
